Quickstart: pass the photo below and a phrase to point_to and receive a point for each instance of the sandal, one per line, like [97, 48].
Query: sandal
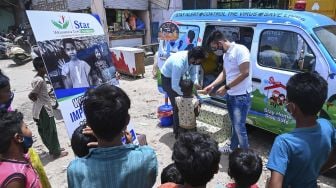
[62, 154]
[61, 149]
[226, 150]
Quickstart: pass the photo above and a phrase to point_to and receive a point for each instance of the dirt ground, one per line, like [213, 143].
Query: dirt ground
[145, 100]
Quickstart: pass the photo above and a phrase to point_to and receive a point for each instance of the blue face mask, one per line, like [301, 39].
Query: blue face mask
[27, 143]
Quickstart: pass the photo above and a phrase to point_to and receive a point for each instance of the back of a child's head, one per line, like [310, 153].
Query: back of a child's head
[4, 80]
[308, 91]
[106, 110]
[38, 63]
[171, 174]
[10, 124]
[186, 86]
[68, 41]
[197, 157]
[245, 167]
[79, 142]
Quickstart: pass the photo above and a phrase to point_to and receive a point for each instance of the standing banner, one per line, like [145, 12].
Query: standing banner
[75, 51]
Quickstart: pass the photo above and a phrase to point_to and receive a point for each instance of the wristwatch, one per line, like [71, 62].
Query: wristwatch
[227, 87]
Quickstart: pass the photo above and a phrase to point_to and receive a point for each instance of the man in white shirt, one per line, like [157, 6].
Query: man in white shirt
[237, 74]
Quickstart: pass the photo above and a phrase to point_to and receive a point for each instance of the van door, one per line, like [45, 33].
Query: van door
[278, 52]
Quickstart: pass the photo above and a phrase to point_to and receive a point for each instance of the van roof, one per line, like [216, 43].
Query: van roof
[276, 16]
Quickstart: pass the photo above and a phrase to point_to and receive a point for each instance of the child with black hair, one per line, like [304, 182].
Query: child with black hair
[107, 72]
[42, 111]
[296, 157]
[197, 158]
[6, 96]
[6, 99]
[171, 174]
[83, 139]
[245, 168]
[80, 141]
[15, 141]
[188, 107]
[106, 110]
[75, 73]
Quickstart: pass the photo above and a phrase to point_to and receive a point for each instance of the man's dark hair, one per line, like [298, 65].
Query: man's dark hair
[79, 141]
[308, 91]
[38, 63]
[245, 167]
[68, 40]
[10, 124]
[106, 110]
[215, 36]
[4, 80]
[197, 157]
[186, 86]
[191, 35]
[171, 174]
[197, 53]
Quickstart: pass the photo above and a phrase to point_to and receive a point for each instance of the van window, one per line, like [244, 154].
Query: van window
[213, 65]
[188, 37]
[240, 35]
[327, 35]
[285, 50]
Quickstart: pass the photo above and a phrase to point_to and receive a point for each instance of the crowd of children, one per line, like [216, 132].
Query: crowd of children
[296, 159]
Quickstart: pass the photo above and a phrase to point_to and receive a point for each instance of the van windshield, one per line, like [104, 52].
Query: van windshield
[327, 35]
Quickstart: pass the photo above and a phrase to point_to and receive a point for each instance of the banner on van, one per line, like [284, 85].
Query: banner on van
[76, 55]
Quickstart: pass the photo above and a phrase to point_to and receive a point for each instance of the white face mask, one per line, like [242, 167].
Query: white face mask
[219, 52]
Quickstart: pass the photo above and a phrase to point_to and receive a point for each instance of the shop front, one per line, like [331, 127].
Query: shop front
[128, 22]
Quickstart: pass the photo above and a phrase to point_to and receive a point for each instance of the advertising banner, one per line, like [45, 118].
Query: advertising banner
[76, 55]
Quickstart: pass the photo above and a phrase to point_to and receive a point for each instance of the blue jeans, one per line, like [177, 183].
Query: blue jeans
[238, 107]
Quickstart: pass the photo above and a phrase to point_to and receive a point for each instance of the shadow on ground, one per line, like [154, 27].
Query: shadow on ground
[168, 138]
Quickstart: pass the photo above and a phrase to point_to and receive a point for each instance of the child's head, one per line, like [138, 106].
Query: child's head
[70, 48]
[106, 110]
[5, 89]
[197, 157]
[245, 167]
[306, 91]
[98, 52]
[14, 132]
[171, 174]
[79, 141]
[39, 65]
[186, 86]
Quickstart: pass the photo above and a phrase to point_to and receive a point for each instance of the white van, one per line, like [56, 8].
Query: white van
[281, 42]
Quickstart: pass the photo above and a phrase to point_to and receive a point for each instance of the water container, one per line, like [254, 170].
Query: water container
[165, 114]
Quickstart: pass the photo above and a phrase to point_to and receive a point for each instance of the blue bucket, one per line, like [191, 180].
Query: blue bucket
[165, 113]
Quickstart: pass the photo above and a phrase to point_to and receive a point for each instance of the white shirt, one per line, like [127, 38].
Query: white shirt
[235, 56]
[78, 73]
[43, 100]
[186, 111]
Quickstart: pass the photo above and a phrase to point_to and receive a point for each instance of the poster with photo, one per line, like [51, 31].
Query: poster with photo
[74, 49]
